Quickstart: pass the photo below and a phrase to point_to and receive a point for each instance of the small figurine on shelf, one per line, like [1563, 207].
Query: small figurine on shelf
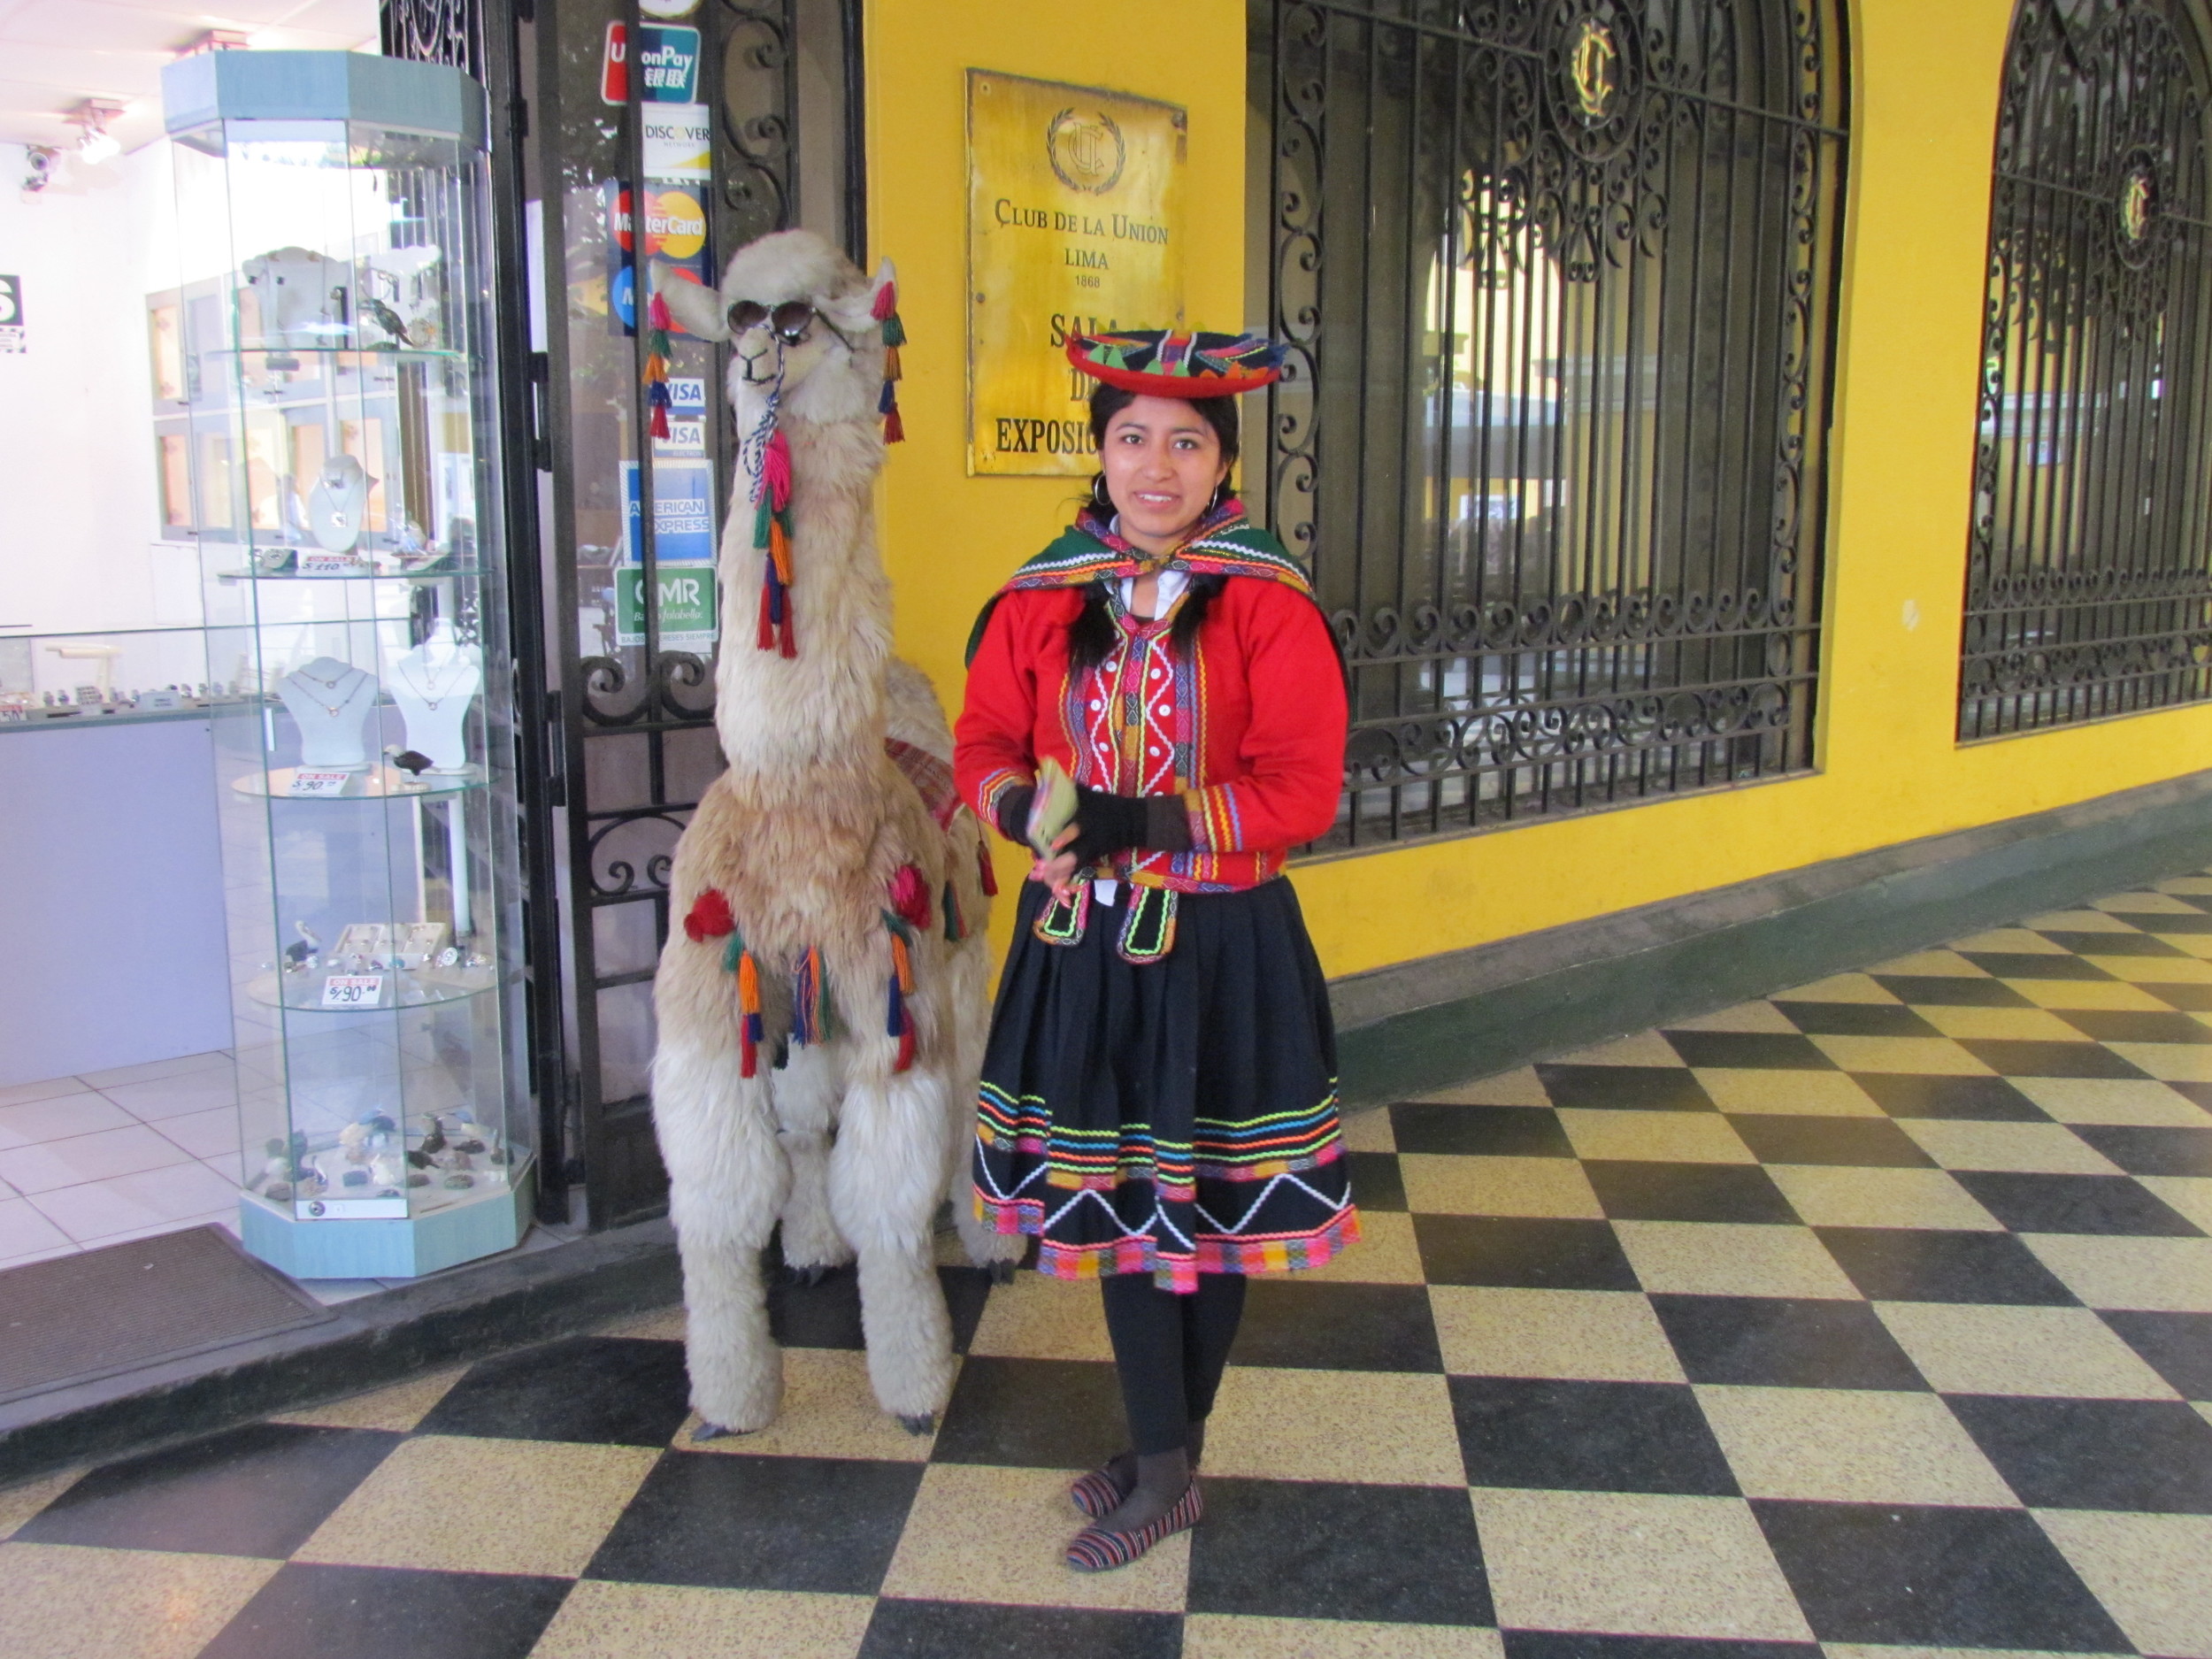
[413, 762]
[301, 955]
[375, 311]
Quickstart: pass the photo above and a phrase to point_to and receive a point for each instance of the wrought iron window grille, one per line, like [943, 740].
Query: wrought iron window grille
[1557, 279]
[2089, 567]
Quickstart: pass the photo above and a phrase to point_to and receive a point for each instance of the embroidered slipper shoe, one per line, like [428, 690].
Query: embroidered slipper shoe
[1096, 1494]
[1095, 1549]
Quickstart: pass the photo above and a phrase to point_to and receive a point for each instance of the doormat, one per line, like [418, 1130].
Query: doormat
[74, 1318]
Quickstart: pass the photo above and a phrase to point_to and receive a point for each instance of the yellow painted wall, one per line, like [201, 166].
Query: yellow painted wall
[1923, 84]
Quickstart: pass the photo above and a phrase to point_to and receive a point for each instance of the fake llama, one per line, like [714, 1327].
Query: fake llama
[823, 1007]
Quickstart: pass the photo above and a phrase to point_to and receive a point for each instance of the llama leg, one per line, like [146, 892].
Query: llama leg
[726, 1181]
[885, 1173]
[805, 1093]
[968, 1005]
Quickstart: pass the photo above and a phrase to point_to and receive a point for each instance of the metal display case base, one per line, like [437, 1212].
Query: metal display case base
[406, 1248]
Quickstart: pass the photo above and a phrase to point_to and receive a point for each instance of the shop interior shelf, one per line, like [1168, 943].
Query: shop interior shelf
[384, 783]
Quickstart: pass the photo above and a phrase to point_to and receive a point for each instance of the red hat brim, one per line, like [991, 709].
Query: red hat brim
[1189, 388]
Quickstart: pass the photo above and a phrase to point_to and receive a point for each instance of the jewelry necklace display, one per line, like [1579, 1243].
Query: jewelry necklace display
[431, 687]
[329, 701]
[336, 505]
[435, 685]
[349, 679]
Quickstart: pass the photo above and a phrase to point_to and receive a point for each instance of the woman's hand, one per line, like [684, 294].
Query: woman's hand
[1058, 872]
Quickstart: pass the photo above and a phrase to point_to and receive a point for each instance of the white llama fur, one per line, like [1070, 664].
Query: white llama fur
[802, 834]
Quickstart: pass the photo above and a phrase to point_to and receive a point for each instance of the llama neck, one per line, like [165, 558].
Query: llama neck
[783, 720]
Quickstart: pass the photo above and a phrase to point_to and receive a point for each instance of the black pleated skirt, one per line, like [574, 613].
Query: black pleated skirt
[1175, 1116]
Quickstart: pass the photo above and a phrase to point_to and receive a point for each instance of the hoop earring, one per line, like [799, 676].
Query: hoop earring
[1100, 501]
[1222, 492]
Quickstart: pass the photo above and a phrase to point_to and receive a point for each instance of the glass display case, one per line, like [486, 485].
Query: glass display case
[333, 426]
[111, 677]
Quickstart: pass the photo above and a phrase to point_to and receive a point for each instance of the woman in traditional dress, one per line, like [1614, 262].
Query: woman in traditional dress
[1159, 1093]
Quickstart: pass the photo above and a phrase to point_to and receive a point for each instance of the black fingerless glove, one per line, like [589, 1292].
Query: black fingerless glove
[1108, 823]
[1013, 813]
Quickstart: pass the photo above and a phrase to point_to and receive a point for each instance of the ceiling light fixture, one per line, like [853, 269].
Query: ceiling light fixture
[95, 143]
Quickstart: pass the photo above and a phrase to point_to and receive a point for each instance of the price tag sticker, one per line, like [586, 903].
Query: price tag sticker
[353, 990]
[306, 782]
[329, 564]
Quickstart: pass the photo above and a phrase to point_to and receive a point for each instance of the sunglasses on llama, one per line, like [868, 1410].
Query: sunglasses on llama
[788, 321]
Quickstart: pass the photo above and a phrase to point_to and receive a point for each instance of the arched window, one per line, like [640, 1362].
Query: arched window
[1559, 279]
[2089, 576]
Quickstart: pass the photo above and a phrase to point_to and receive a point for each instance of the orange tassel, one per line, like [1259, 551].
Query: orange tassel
[779, 550]
[891, 370]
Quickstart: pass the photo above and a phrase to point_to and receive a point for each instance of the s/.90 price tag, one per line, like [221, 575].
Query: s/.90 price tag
[306, 782]
[353, 990]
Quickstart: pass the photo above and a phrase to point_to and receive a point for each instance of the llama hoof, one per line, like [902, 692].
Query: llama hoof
[711, 1431]
[1002, 1273]
[809, 1276]
[920, 1423]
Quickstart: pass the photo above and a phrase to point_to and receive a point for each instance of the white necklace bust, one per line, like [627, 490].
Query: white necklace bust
[434, 686]
[329, 700]
[337, 506]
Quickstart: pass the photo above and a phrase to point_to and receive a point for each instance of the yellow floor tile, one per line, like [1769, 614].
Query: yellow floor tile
[2091, 1100]
[2169, 1062]
[657, 1325]
[2101, 994]
[1440, 1185]
[2134, 906]
[1645, 1048]
[1518, 1087]
[1660, 1137]
[2052, 1352]
[398, 1407]
[1928, 1057]
[2152, 1572]
[2033, 1024]
[2156, 1275]
[58, 1602]
[1388, 1253]
[1617, 1561]
[2195, 944]
[1038, 1317]
[1838, 987]
[983, 1533]
[1932, 964]
[1235, 1636]
[2155, 970]
[18, 1504]
[1800, 1093]
[1841, 1196]
[2011, 941]
[666, 1621]
[2048, 1148]
[1597, 1335]
[465, 1505]
[2192, 1195]
[1391, 1428]
[1756, 1017]
[2186, 886]
[1860, 1650]
[2079, 921]
[1850, 1446]
[829, 1410]
[1726, 1258]
[1369, 1132]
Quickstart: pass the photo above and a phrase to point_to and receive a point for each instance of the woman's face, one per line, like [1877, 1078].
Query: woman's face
[1163, 464]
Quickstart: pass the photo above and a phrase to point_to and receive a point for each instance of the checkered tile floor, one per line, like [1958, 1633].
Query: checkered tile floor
[1875, 1318]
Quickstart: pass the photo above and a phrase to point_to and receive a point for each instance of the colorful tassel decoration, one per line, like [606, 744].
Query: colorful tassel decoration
[709, 918]
[898, 1022]
[772, 534]
[749, 1025]
[657, 323]
[983, 868]
[886, 311]
[810, 1002]
[909, 897]
[955, 923]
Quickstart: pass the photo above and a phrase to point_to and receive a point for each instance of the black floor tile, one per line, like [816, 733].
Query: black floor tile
[1032, 1413]
[2150, 1149]
[2119, 1024]
[2165, 922]
[1523, 1253]
[375, 1612]
[1498, 1132]
[2075, 1203]
[1639, 1191]
[1587, 1437]
[825, 1314]
[1918, 1265]
[2021, 1058]
[1780, 1138]
[617, 1391]
[1626, 1088]
[966, 1290]
[1785, 1342]
[1856, 1020]
[1318, 1550]
[985, 1630]
[1765, 1050]
[1336, 1327]
[2176, 1345]
[1979, 1099]
[2139, 1454]
[1376, 1182]
[737, 1522]
[2192, 999]
[2104, 944]
[1951, 990]
[255, 1491]
[1561, 1644]
[1880, 1573]
[2007, 964]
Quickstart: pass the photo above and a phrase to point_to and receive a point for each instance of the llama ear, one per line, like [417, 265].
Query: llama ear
[697, 308]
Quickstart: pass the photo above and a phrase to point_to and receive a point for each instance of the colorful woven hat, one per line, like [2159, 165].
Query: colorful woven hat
[1172, 362]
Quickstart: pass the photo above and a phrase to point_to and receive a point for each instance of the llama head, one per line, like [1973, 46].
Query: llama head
[829, 365]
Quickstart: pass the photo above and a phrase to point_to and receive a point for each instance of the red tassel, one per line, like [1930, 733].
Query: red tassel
[656, 313]
[764, 634]
[709, 918]
[894, 428]
[775, 471]
[660, 421]
[909, 897]
[983, 866]
[785, 642]
[887, 302]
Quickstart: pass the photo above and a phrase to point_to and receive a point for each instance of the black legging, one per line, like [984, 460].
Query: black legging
[1169, 1351]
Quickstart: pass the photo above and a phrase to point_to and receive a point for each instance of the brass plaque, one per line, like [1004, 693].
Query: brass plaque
[1075, 225]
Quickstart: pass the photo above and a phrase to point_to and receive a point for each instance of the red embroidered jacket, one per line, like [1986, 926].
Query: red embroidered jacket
[1249, 730]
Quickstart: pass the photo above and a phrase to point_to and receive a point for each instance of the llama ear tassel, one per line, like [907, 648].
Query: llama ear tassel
[886, 311]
